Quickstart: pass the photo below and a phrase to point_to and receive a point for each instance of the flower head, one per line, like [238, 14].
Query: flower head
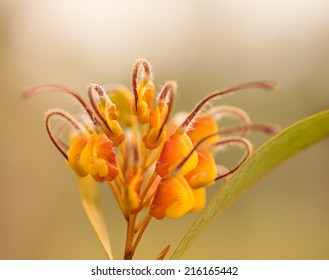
[150, 160]
[93, 154]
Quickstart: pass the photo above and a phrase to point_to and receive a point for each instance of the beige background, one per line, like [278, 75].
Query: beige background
[203, 45]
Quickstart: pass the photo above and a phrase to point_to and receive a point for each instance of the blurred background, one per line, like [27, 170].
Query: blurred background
[203, 45]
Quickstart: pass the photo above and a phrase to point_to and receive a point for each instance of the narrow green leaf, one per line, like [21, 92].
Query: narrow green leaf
[90, 201]
[287, 143]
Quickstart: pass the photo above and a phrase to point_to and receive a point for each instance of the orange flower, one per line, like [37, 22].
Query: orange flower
[107, 112]
[173, 198]
[159, 116]
[199, 199]
[74, 154]
[175, 157]
[131, 200]
[144, 91]
[203, 126]
[205, 173]
[98, 158]
[127, 139]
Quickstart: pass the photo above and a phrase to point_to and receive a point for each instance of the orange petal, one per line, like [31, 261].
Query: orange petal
[203, 125]
[175, 150]
[116, 134]
[154, 137]
[199, 199]
[173, 198]
[204, 173]
[158, 114]
[130, 197]
[74, 153]
[99, 159]
[145, 91]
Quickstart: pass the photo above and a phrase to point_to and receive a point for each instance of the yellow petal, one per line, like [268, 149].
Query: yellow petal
[174, 152]
[154, 137]
[130, 197]
[204, 173]
[116, 133]
[199, 199]
[74, 155]
[145, 91]
[173, 198]
[99, 159]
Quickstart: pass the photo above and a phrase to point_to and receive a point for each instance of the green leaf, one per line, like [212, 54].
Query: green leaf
[279, 148]
[90, 201]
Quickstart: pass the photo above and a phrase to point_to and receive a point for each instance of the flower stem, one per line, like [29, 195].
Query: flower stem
[130, 237]
[117, 198]
[146, 222]
[149, 184]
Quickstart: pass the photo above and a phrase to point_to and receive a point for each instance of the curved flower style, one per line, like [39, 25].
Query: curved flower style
[152, 162]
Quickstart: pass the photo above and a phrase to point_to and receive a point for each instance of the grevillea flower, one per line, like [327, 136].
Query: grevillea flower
[151, 160]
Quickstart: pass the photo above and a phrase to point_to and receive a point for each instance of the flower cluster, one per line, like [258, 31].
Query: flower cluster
[150, 161]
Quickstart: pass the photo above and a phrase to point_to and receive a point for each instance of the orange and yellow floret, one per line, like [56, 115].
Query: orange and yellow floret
[150, 160]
